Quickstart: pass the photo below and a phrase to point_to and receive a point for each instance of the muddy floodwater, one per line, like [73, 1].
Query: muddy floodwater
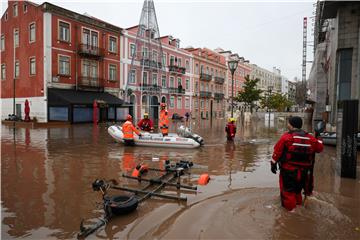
[46, 177]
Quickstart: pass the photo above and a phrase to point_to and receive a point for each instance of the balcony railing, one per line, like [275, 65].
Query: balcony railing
[150, 63]
[176, 90]
[205, 77]
[218, 96]
[91, 51]
[205, 94]
[154, 88]
[90, 83]
[176, 69]
[219, 80]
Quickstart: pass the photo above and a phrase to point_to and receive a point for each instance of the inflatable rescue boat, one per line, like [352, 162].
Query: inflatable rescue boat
[185, 139]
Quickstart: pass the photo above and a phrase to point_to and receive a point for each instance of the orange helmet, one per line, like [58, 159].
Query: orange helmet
[129, 118]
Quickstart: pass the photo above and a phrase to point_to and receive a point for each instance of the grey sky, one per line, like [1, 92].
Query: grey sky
[268, 33]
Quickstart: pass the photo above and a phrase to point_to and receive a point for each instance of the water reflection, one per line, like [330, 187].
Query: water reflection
[46, 177]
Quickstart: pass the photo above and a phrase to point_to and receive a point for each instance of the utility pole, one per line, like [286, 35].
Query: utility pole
[303, 79]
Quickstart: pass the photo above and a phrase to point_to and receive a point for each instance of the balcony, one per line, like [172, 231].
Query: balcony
[218, 96]
[90, 84]
[173, 90]
[205, 77]
[89, 51]
[205, 94]
[150, 88]
[147, 63]
[219, 80]
[176, 69]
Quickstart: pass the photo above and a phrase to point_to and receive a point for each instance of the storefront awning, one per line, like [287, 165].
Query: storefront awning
[67, 96]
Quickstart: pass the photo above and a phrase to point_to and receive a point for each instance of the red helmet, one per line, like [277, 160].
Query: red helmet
[129, 118]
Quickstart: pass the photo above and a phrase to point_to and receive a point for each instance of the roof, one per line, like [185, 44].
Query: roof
[69, 96]
[48, 7]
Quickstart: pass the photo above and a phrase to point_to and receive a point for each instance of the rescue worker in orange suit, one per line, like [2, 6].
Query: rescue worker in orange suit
[128, 130]
[230, 129]
[164, 120]
[146, 124]
[294, 152]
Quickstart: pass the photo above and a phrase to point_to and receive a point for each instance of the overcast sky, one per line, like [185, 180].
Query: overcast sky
[268, 33]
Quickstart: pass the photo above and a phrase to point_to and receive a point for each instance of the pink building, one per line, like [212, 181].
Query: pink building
[209, 84]
[154, 79]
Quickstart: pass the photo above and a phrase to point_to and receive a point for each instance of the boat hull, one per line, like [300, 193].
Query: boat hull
[155, 139]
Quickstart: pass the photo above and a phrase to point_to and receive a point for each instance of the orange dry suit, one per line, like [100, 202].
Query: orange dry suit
[164, 122]
[128, 130]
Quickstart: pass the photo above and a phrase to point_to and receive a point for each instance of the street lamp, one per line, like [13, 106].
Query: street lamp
[232, 67]
[269, 95]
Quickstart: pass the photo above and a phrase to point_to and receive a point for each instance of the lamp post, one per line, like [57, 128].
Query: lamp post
[232, 67]
[269, 95]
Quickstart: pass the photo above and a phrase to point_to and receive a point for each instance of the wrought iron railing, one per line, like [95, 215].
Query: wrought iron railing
[176, 69]
[205, 77]
[90, 51]
[205, 94]
[219, 80]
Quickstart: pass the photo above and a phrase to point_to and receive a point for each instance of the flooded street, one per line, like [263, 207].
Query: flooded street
[46, 177]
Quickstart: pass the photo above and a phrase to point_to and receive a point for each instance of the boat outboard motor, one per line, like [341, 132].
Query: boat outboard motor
[185, 132]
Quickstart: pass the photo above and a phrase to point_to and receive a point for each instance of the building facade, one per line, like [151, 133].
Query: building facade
[335, 73]
[168, 82]
[209, 83]
[63, 62]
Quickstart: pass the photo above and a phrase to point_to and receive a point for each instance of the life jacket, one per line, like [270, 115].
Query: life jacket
[299, 150]
[230, 129]
[128, 130]
[145, 125]
[164, 119]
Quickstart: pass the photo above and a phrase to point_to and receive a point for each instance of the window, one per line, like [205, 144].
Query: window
[201, 103]
[15, 10]
[172, 100]
[171, 82]
[16, 37]
[32, 32]
[112, 72]
[3, 71]
[196, 68]
[179, 62]
[64, 31]
[25, 8]
[163, 81]
[94, 39]
[179, 102]
[187, 66]
[202, 69]
[172, 60]
[17, 68]
[154, 56]
[145, 52]
[196, 87]
[112, 44]
[132, 76]
[196, 103]
[32, 66]
[163, 99]
[145, 77]
[2, 42]
[154, 79]
[6, 16]
[187, 84]
[86, 36]
[64, 65]
[132, 50]
[179, 82]
[164, 59]
[187, 103]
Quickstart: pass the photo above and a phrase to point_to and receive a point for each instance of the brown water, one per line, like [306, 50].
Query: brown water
[46, 177]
